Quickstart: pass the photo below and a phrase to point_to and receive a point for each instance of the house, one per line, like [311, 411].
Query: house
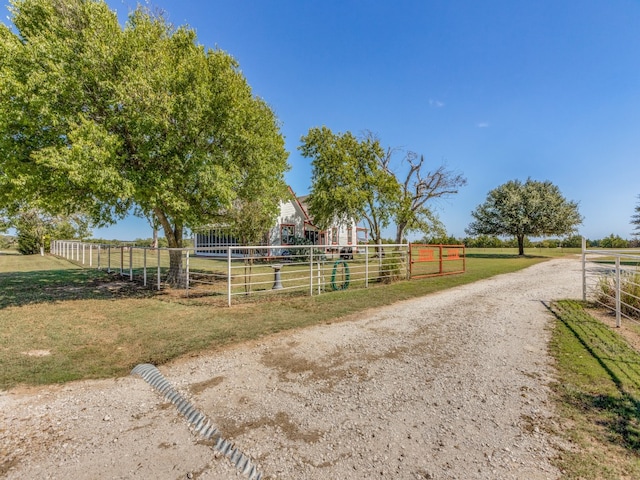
[292, 225]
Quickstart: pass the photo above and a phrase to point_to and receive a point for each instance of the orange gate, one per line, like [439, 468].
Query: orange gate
[434, 260]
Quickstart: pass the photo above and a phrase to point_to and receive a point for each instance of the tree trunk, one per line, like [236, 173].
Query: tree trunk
[400, 232]
[175, 277]
[520, 244]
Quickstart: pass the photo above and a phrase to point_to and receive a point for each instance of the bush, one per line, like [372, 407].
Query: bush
[7, 242]
[629, 293]
[391, 268]
[303, 254]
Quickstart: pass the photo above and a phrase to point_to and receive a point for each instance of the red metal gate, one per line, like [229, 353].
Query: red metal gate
[435, 260]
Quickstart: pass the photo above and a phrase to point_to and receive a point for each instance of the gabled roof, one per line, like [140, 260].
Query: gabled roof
[302, 203]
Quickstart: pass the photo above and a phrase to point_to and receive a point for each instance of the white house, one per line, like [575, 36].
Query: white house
[293, 223]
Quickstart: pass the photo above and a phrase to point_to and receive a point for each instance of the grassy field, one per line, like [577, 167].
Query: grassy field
[59, 322]
[598, 393]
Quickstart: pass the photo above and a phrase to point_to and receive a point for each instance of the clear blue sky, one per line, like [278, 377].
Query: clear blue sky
[498, 90]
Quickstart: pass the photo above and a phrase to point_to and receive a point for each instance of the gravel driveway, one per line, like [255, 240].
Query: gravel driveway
[450, 385]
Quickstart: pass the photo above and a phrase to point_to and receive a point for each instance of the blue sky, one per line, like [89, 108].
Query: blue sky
[496, 90]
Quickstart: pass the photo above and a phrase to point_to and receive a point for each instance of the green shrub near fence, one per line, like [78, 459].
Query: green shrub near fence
[629, 293]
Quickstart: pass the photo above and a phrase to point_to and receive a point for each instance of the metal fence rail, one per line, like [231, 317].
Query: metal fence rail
[611, 279]
[236, 272]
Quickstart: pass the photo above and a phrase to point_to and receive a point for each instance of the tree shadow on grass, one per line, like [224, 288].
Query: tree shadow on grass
[48, 286]
[618, 411]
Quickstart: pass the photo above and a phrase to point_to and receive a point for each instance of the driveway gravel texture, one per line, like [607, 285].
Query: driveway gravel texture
[452, 385]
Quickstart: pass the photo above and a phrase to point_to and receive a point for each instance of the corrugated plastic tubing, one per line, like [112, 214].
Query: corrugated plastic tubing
[200, 423]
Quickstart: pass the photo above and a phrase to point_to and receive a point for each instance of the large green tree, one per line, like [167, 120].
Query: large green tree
[354, 178]
[350, 180]
[35, 229]
[103, 118]
[529, 209]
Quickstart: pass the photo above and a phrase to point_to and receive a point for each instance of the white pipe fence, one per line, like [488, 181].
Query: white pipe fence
[611, 279]
[244, 271]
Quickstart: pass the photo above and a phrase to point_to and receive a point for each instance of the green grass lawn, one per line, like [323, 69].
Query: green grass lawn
[598, 391]
[59, 322]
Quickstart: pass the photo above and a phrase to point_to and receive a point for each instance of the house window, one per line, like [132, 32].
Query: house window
[287, 234]
[349, 234]
[311, 236]
[334, 236]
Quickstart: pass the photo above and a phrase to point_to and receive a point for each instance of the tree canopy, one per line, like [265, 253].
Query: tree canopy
[525, 209]
[36, 229]
[102, 118]
[349, 182]
[353, 178]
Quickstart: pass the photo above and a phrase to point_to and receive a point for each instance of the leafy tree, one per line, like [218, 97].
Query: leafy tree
[572, 241]
[35, 229]
[350, 180]
[441, 239]
[100, 118]
[418, 187]
[353, 178]
[525, 209]
[613, 241]
[483, 241]
[635, 219]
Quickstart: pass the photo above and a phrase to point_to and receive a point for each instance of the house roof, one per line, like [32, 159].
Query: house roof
[301, 201]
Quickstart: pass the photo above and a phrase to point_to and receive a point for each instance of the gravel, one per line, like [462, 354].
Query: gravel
[452, 385]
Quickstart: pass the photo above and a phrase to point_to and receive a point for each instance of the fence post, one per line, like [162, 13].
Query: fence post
[90, 255]
[228, 276]
[187, 274]
[131, 263]
[366, 266]
[144, 267]
[311, 271]
[464, 258]
[99, 247]
[121, 258]
[618, 290]
[407, 258]
[158, 269]
[584, 269]
[83, 253]
[109, 258]
[441, 252]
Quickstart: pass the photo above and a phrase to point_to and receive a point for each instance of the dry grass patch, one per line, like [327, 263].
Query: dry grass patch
[96, 325]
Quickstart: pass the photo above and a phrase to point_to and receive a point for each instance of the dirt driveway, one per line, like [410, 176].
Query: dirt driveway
[450, 385]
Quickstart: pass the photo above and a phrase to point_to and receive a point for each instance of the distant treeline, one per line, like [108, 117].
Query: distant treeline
[575, 241]
[482, 241]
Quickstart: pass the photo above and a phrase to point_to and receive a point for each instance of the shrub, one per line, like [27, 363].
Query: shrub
[391, 268]
[629, 293]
